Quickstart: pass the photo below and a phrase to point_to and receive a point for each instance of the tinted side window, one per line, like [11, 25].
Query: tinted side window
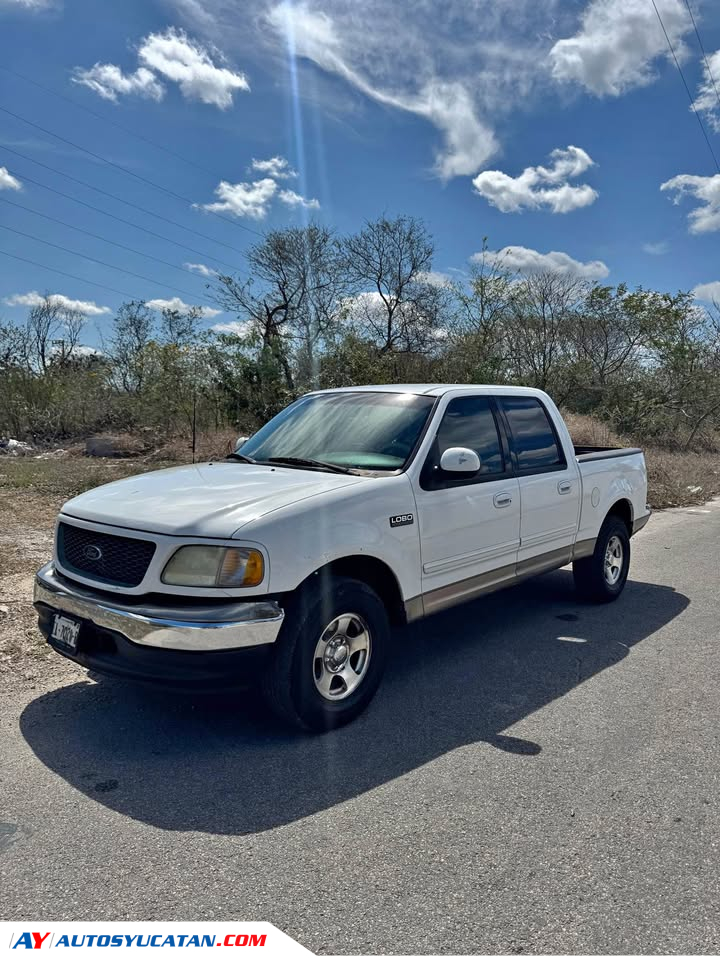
[533, 435]
[470, 422]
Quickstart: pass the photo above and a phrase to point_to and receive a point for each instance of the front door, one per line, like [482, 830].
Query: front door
[469, 524]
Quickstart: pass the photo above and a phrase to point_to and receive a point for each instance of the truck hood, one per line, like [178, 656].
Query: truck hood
[202, 500]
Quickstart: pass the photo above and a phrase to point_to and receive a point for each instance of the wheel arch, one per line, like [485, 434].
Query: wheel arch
[623, 509]
[377, 574]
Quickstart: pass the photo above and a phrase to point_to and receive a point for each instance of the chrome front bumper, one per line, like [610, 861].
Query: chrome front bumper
[202, 628]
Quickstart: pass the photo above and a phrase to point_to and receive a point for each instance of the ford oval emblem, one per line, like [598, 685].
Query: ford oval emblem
[91, 552]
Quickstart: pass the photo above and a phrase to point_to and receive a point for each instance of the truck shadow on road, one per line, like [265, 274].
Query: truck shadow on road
[222, 766]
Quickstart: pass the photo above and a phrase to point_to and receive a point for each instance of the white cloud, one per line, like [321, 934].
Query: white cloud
[276, 167]
[200, 268]
[617, 43]
[108, 81]
[709, 292]
[292, 199]
[468, 141]
[243, 199]
[189, 64]
[8, 181]
[656, 249]
[526, 261]
[240, 328]
[34, 299]
[707, 99]
[435, 278]
[175, 57]
[27, 4]
[538, 187]
[175, 303]
[80, 350]
[706, 217]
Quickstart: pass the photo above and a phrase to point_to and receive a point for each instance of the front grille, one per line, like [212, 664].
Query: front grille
[121, 561]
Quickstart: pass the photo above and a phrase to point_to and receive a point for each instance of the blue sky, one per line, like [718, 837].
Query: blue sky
[559, 129]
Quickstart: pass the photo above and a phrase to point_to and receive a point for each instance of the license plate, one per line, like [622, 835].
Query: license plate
[65, 631]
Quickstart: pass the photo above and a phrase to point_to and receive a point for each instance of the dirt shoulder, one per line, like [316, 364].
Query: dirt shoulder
[31, 494]
[26, 536]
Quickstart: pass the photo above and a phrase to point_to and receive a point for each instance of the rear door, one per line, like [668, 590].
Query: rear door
[469, 525]
[549, 485]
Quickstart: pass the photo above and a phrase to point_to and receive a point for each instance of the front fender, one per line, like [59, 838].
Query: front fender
[301, 539]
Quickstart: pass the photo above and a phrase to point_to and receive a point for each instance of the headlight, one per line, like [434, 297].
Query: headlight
[214, 567]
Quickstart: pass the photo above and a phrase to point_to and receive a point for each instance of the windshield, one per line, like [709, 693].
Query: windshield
[368, 431]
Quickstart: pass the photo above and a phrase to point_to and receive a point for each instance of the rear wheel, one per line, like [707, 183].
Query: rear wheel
[601, 577]
[330, 655]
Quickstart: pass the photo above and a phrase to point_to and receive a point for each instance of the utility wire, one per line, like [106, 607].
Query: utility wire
[95, 236]
[687, 88]
[124, 169]
[129, 223]
[70, 276]
[128, 203]
[102, 263]
[702, 50]
[114, 123]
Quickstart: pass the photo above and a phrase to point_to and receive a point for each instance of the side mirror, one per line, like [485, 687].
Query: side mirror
[460, 460]
[240, 441]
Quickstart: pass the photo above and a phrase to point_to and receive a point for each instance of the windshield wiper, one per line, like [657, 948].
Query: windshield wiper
[240, 456]
[304, 462]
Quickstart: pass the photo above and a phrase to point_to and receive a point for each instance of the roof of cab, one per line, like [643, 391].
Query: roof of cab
[433, 389]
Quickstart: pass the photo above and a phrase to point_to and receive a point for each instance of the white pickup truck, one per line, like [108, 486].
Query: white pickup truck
[350, 511]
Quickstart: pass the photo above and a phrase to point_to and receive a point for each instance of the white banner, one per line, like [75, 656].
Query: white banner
[181, 939]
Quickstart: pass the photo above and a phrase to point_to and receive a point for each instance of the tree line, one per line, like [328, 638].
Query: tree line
[313, 309]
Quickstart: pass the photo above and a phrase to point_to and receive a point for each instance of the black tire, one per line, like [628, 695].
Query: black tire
[593, 581]
[289, 684]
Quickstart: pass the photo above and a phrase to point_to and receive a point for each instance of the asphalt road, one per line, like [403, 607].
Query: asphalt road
[535, 776]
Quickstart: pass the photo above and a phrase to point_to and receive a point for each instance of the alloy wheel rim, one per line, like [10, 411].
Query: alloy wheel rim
[342, 656]
[613, 560]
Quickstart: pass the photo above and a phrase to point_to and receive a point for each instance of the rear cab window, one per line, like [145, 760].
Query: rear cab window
[535, 444]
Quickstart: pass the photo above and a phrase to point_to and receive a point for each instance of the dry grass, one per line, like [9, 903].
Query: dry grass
[61, 479]
[208, 446]
[681, 479]
[591, 432]
[675, 479]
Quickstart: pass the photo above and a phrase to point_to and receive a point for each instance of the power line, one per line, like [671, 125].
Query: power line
[70, 276]
[95, 236]
[114, 123]
[128, 203]
[102, 263]
[702, 50]
[119, 166]
[128, 223]
[687, 88]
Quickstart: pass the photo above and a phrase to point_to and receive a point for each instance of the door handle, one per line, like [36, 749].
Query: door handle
[502, 500]
[565, 486]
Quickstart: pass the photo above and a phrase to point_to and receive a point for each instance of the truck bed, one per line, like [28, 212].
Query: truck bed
[586, 454]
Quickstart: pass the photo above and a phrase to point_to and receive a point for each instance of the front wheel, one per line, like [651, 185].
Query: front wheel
[601, 577]
[330, 655]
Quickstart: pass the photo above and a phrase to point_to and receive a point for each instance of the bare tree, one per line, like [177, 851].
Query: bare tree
[291, 295]
[132, 333]
[481, 307]
[395, 301]
[14, 347]
[611, 330]
[543, 310]
[53, 333]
